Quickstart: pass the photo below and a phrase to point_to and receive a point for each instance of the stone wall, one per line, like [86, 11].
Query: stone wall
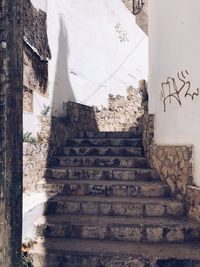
[173, 163]
[80, 117]
[37, 154]
[174, 166]
[193, 202]
[34, 163]
[51, 138]
[148, 134]
[35, 30]
[36, 54]
[122, 113]
[35, 72]
[11, 96]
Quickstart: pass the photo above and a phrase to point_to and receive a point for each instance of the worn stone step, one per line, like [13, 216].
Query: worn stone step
[104, 142]
[106, 188]
[101, 173]
[115, 206]
[109, 135]
[118, 228]
[57, 252]
[99, 161]
[103, 151]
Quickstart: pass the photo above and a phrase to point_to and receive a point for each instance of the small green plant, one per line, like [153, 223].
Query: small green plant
[46, 110]
[28, 138]
[27, 261]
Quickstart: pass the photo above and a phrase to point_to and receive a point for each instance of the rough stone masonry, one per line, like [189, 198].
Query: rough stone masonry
[11, 93]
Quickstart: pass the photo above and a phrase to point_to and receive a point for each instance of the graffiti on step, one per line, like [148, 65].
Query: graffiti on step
[177, 89]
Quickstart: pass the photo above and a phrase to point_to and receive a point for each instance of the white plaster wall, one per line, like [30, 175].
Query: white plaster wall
[88, 60]
[40, 4]
[174, 46]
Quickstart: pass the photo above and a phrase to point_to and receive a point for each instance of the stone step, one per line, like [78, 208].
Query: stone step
[109, 135]
[99, 161]
[118, 228]
[103, 151]
[106, 188]
[102, 173]
[104, 142]
[57, 252]
[115, 206]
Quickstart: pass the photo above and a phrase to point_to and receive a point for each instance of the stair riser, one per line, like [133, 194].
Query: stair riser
[72, 260]
[110, 135]
[104, 143]
[84, 260]
[133, 233]
[115, 209]
[147, 190]
[100, 162]
[103, 151]
[122, 175]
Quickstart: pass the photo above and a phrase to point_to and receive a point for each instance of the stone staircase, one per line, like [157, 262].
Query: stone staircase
[110, 209]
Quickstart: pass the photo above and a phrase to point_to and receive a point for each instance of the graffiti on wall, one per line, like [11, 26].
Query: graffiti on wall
[122, 34]
[177, 89]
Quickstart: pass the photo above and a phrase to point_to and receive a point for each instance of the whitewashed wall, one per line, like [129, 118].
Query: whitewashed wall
[174, 47]
[97, 49]
[88, 59]
[40, 4]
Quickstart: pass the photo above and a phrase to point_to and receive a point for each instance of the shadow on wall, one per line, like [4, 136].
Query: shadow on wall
[62, 90]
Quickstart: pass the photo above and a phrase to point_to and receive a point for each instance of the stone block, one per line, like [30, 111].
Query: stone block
[69, 207]
[175, 208]
[154, 209]
[154, 234]
[91, 208]
[176, 234]
[126, 209]
[94, 232]
[126, 233]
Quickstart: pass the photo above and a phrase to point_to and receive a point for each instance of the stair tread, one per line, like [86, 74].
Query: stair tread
[64, 168]
[140, 200]
[111, 133]
[186, 250]
[97, 147]
[131, 132]
[101, 157]
[106, 139]
[101, 182]
[92, 220]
